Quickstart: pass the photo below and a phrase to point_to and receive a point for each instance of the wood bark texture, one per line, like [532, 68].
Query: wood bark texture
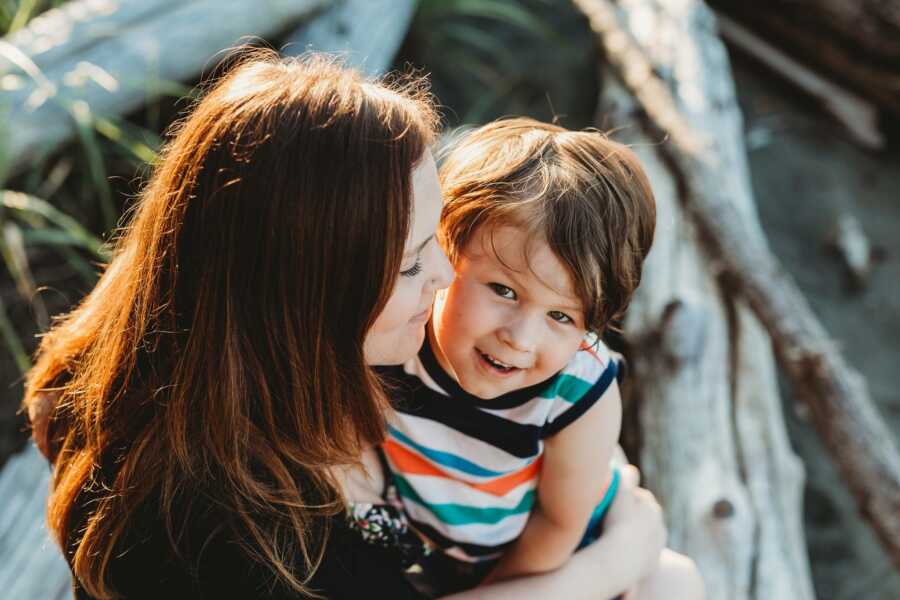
[859, 116]
[109, 58]
[74, 26]
[356, 30]
[715, 448]
[707, 169]
[858, 42]
[32, 567]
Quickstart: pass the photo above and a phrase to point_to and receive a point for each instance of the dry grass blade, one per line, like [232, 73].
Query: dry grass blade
[78, 235]
[134, 146]
[12, 248]
[23, 14]
[84, 121]
[11, 339]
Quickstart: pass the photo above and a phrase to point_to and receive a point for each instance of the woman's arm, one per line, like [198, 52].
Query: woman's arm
[593, 573]
[628, 550]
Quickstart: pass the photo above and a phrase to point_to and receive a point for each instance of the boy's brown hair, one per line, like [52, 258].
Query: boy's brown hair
[583, 194]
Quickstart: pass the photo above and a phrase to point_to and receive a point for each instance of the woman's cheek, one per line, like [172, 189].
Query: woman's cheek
[410, 299]
[397, 310]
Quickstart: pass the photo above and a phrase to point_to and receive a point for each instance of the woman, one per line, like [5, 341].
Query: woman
[214, 397]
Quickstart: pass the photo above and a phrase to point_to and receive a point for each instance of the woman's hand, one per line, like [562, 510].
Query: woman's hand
[635, 521]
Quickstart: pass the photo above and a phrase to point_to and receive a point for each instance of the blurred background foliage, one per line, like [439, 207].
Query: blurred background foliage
[487, 58]
[493, 58]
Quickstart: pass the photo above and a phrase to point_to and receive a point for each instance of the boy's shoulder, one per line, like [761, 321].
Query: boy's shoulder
[588, 374]
[593, 371]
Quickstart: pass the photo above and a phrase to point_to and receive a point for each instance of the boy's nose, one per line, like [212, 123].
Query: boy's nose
[520, 335]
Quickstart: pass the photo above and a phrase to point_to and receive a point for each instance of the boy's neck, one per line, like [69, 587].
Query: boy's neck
[438, 353]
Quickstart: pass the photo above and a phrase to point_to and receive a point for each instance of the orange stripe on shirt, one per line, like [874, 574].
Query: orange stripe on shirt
[410, 463]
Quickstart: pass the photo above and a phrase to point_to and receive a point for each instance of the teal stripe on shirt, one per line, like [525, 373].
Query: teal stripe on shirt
[571, 388]
[445, 458]
[568, 387]
[460, 514]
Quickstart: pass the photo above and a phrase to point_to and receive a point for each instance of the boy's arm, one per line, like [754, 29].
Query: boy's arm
[628, 551]
[573, 476]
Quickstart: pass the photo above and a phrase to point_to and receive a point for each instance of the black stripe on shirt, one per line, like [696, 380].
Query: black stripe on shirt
[454, 390]
[584, 403]
[518, 439]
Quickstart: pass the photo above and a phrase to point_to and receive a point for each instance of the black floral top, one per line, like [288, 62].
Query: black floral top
[385, 526]
[370, 553]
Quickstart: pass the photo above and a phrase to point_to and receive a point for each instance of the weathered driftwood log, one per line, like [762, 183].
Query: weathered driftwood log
[706, 170]
[357, 30]
[31, 566]
[858, 115]
[75, 26]
[857, 42]
[715, 449]
[106, 73]
[849, 243]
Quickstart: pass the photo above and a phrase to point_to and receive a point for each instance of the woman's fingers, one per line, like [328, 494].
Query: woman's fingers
[637, 510]
[636, 519]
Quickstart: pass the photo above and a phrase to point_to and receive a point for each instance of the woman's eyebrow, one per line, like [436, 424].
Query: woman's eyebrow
[418, 248]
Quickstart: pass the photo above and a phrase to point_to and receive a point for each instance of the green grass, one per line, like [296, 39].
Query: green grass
[58, 212]
[60, 209]
[490, 58]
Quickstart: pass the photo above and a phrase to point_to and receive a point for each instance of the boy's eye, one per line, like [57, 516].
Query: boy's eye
[502, 291]
[560, 317]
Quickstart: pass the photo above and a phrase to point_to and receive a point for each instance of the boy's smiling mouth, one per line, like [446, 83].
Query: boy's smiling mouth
[495, 365]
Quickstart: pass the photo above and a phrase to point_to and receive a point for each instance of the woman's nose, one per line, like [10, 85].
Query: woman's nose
[442, 273]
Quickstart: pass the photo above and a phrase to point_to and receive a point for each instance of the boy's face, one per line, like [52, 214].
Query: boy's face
[511, 318]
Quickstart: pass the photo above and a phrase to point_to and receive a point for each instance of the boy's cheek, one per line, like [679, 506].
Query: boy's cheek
[462, 328]
[462, 308]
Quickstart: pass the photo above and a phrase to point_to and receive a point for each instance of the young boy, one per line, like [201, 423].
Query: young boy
[507, 420]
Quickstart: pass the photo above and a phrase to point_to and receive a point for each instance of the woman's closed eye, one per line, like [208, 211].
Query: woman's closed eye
[413, 270]
[502, 291]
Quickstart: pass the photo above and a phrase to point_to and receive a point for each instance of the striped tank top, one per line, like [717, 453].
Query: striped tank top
[466, 469]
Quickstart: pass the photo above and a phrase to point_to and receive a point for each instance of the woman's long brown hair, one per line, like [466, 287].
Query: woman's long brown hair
[220, 356]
